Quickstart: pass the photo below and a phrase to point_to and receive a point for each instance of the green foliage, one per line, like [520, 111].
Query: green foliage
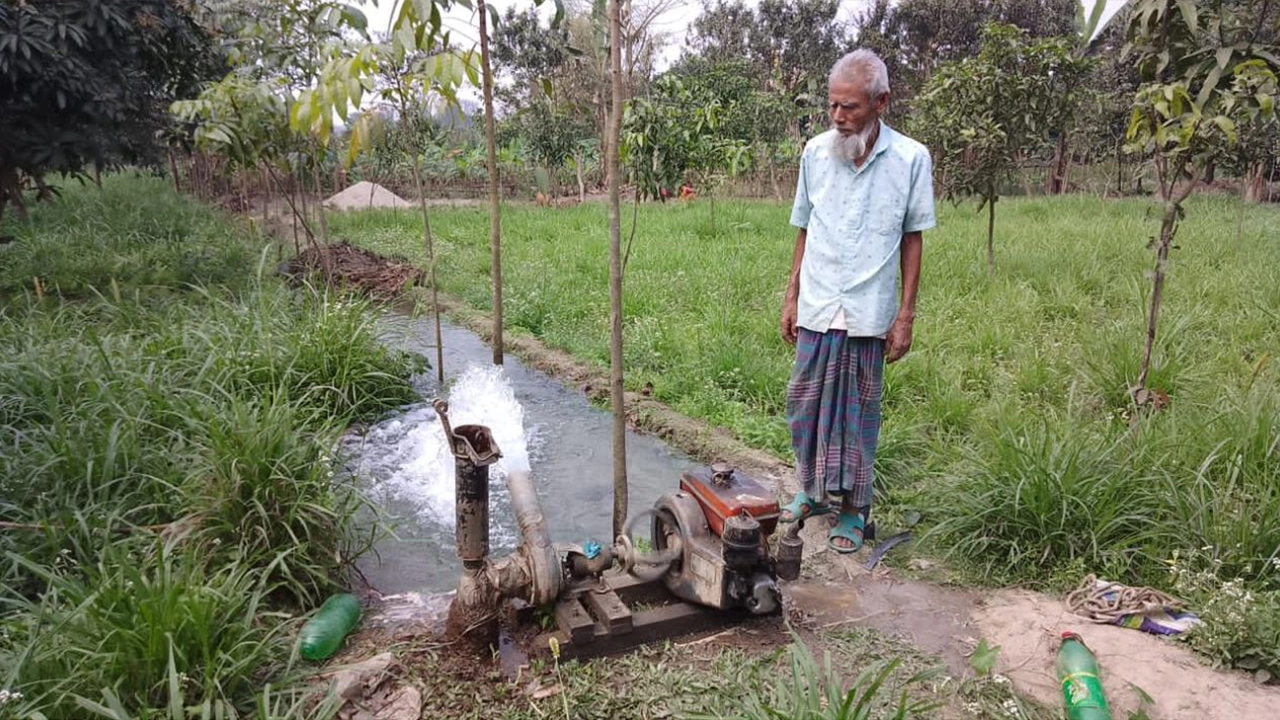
[667, 137]
[244, 120]
[1241, 627]
[150, 607]
[917, 37]
[816, 691]
[85, 83]
[166, 456]
[133, 233]
[984, 658]
[554, 138]
[534, 54]
[794, 43]
[1203, 77]
[983, 114]
[749, 114]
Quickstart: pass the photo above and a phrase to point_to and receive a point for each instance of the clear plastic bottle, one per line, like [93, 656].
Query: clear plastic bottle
[1081, 688]
[322, 635]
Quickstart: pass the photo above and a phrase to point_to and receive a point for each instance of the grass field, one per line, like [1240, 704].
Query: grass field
[1008, 425]
[168, 513]
[167, 495]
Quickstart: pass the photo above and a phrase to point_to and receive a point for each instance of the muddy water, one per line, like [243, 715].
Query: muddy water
[538, 424]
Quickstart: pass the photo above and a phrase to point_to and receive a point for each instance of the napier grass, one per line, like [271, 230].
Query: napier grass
[166, 420]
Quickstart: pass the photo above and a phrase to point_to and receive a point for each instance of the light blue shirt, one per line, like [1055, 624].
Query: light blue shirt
[855, 218]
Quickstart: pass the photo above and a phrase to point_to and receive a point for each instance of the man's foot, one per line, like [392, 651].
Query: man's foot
[847, 534]
[802, 507]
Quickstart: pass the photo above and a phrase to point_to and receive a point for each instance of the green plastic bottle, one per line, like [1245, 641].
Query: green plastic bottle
[322, 635]
[1081, 688]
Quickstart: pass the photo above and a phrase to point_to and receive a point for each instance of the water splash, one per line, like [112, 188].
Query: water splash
[408, 460]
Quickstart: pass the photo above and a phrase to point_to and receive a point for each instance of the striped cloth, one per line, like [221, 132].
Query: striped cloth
[833, 410]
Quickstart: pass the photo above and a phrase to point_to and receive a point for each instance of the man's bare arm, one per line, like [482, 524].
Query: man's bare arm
[898, 342]
[912, 248]
[791, 302]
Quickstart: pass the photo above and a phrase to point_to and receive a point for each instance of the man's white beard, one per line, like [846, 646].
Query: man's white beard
[852, 146]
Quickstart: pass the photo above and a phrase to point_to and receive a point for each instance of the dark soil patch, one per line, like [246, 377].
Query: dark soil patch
[350, 267]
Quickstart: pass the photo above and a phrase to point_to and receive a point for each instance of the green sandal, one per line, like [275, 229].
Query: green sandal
[851, 527]
[802, 507]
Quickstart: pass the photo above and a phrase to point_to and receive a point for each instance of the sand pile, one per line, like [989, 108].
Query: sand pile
[365, 195]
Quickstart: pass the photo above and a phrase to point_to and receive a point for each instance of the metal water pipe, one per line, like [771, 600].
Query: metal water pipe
[532, 573]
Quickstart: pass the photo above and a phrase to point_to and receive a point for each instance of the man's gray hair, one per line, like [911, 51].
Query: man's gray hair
[865, 66]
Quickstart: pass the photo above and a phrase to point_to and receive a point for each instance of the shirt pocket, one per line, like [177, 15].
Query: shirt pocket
[888, 213]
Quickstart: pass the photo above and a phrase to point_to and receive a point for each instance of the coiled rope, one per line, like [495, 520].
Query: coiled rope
[1091, 600]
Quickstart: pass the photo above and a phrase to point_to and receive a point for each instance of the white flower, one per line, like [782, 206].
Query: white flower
[1010, 708]
[6, 696]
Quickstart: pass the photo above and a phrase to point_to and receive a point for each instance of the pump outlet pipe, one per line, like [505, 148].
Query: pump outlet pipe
[532, 572]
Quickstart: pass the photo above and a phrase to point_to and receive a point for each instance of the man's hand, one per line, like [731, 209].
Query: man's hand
[789, 321]
[898, 342]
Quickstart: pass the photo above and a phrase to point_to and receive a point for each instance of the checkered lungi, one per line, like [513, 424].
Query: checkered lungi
[833, 410]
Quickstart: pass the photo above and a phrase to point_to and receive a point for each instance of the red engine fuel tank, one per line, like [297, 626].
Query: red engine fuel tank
[723, 491]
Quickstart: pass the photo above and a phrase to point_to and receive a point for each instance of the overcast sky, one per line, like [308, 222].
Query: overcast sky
[674, 23]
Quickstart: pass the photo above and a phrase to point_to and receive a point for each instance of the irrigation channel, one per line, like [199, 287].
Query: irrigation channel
[538, 424]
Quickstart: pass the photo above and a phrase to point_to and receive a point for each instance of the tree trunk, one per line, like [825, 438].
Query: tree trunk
[1210, 171]
[11, 192]
[491, 160]
[297, 247]
[1255, 183]
[578, 160]
[1167, 226]
[320, 216]
[264, 184]
[1024, 175]
[1058, 171]
[1244, 198]
[615, 273]
[173, 171]
[1119, 169]
[991, 235]
[431, 268]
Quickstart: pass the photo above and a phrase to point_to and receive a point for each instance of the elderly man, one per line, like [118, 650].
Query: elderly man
[864, 197]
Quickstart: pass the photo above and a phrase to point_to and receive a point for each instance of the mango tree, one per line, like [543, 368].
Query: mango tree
[1201, 82]
[983, 114]
[275, 49]
[1088, 29]
[85, 85]
[674, 136]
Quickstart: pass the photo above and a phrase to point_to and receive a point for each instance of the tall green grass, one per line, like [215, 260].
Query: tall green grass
[135, 231]
[1008, 425]
[166, 465]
